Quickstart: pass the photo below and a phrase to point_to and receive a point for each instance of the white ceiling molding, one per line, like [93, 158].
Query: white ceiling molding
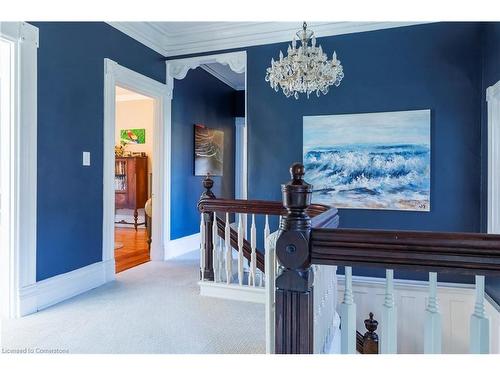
[183, 38]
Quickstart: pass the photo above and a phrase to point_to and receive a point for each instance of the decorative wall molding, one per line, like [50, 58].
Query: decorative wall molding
[179, 68]
[493, 99]
[115, 74]
[48, 292]
[183, 38]
[183, 245]
[456, 303]
[19, 164]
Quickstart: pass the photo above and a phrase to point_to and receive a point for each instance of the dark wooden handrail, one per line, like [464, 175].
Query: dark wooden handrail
[468, 253]
[254, 207]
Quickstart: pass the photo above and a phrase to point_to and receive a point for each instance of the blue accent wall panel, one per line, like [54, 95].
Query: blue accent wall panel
[436, 66]
[70, 120]
[418, 67]
[200, 98]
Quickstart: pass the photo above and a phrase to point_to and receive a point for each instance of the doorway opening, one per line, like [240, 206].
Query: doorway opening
[134, 134]
[127, 84]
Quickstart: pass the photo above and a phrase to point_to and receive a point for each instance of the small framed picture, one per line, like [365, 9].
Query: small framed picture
[208, 151]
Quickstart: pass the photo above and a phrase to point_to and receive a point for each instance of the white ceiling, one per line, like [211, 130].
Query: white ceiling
[182, 38]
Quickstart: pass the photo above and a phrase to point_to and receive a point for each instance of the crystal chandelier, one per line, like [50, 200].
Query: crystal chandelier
[305, 69]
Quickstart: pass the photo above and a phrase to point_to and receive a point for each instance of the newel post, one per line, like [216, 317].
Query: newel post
[294, 285]
[208, 221]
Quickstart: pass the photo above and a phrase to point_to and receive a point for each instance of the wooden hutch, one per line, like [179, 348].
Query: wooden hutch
[131, 184]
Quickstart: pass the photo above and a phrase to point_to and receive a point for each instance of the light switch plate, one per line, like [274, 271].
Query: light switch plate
[86, 158]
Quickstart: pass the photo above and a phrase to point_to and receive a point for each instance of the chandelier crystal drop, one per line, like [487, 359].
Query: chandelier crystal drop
[305, 69]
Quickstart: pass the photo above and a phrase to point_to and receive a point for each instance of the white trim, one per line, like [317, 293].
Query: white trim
[216, 36]
[456, 303]
[115, 74]
[181, 246]
[233, 292]
[240, 160]
[19, 169]
[493, 99]
[48, 292]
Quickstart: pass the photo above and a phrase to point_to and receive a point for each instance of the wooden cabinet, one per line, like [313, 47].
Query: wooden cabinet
[131, 184]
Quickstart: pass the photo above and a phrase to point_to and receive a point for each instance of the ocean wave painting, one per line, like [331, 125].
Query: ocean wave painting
[369, 161]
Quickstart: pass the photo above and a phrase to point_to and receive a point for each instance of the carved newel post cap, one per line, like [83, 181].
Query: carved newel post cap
[208, 183]
[297, 172]
[371, 324]
[297, 193]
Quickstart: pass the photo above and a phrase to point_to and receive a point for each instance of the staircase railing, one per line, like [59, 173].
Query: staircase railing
[308, 238]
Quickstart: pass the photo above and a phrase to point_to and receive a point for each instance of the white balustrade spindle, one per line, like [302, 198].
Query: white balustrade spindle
[348, 317]
[388, 336]
[221, 258]
[253, 257]
[241, 235]
[479, 322]
[215, 240]
[432, 328]
[229, 250]
[202, 247]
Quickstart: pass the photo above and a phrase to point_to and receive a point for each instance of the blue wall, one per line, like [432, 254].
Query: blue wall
[416, 67]
[70, 120]
[436, 66]
[200, 98]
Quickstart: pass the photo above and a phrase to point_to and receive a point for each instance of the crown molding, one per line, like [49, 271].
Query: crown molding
[143, 33]
[220, 36]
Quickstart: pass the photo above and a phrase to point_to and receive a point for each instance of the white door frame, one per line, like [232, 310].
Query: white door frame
[115, 74]
[237, 61]
[19, 170]
[493, 99]
[240, 160]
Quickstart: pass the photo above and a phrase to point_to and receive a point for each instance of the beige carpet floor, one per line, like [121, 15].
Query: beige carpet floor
[153, 308]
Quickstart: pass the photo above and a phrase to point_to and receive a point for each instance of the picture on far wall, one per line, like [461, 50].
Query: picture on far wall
[208, 151]
[136, 136]
[369, 160]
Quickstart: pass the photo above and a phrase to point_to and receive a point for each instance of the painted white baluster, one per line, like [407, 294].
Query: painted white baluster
[348, 317]
[388, 336]
[253, 257]
[229, 250]
[432, 328]
[202, 247]
[479, 322]
[221, 258]
[241, 235]
[270, 275]
[215, 240]
[267, 232]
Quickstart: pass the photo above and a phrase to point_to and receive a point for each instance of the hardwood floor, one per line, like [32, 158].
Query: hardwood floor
[135, 248]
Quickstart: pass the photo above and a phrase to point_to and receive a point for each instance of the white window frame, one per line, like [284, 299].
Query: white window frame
[19, 170]
[493, 99]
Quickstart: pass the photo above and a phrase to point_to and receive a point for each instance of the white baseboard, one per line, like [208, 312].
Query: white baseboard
[232, 291]
[56, 289]
[456, 303]
[181, 246]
